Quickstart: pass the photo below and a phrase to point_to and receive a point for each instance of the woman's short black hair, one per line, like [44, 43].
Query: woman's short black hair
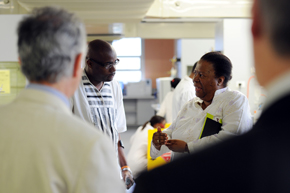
[194, 66]
[222, 65]
[174, 82]
[155, 119]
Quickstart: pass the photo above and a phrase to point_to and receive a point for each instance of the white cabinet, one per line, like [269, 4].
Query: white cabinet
[138, 110]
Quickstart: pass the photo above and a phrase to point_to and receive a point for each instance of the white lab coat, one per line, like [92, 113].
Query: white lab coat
[44, 148]
[166, 107]
[232, 107]
[183, 92]
[137, 156]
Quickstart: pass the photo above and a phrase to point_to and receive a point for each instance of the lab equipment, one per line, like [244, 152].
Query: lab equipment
[137, 89]
[163, 87]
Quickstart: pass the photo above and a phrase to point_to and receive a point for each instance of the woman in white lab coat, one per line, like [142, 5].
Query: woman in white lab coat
[166, 106]
[216, 114]
[137, 156]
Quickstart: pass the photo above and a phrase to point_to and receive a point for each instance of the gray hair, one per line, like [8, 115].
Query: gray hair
[275, 17]
[48, 41]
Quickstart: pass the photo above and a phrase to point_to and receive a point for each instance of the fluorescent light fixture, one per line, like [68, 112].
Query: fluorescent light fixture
[182, 20]
[213, 2]
[244, 2]
[6, 4]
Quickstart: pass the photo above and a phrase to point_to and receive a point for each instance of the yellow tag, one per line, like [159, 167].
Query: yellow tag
[4, 81]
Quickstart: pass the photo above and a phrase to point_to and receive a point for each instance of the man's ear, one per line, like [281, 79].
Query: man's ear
[19, 61]
[256, 24]
[88, 63]
[77, 65]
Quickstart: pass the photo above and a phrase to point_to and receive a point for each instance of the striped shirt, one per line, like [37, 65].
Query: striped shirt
[103, 108]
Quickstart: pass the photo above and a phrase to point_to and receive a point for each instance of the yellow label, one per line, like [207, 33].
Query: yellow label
[4, 81]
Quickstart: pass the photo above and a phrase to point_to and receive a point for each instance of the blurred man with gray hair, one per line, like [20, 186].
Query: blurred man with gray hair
[43, 147]
[258, 161]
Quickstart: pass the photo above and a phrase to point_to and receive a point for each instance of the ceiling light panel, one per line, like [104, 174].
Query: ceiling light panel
[200, 8]
[104, 11]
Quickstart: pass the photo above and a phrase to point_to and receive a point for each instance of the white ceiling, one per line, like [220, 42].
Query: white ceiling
[107, 16]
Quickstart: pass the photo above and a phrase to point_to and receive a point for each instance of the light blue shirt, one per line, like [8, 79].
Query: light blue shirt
[50, 90]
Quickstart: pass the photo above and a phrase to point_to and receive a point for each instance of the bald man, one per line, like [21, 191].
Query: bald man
[99, 99]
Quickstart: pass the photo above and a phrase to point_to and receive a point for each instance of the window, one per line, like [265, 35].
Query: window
[129, 52]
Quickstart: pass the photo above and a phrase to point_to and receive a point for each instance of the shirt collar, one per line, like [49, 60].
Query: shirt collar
[277, 89]
[188, 78]
[216, 94]
[86, 79]
[50, 90]
[219, 91]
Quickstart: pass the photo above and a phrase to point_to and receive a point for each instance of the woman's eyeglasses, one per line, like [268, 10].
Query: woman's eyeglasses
[106, 65]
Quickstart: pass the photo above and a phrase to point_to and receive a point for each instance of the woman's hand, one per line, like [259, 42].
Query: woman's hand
[159, 138]
[177, 145]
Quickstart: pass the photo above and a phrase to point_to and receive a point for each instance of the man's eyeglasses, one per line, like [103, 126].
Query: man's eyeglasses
[106, 65]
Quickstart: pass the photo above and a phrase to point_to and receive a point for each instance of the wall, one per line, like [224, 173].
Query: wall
[235, 39]
[157, 55]
[219, 36]
[9, 57]
[238, 47]
[173, 30]
[8, 37]
[190, 51]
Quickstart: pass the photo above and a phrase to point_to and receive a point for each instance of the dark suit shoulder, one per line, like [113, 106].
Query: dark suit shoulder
[257, 161]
